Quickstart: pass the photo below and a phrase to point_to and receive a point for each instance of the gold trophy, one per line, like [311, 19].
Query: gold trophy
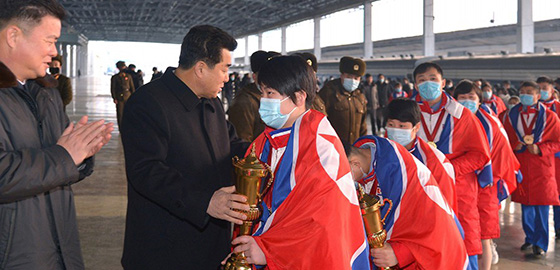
[249, 173]
[371, 214]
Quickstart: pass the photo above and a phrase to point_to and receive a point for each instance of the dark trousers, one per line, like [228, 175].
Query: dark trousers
[120, 110]
[556, 210]
[535, 224]
[380, 118]
[373, 119]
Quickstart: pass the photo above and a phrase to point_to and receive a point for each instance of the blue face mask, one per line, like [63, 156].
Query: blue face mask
[545, 95]
[350, 84]
[487, 95]
[270, 112]
[469, 104]
[398, 90]
[526, 100]
[429, 90]
[400, 135]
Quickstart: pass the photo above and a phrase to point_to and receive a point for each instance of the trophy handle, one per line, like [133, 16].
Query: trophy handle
[235, 159]
[270, 180]
[388, 210]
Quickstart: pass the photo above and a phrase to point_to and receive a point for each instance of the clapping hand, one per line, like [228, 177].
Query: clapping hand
[83, 140]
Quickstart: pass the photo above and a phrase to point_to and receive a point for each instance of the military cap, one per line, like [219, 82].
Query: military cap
[259, 58]
[354, 66]
[58, 58]
[310, 59]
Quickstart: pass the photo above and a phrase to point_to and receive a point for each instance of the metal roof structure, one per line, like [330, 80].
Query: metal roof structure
[167, 21]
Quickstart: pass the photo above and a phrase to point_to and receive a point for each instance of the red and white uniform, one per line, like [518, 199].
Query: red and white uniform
[421, 226]
[458, 134]
[312, 203]
[504, 168]
[554, 105]
[496, 104]
[539, 181]
[441, 169]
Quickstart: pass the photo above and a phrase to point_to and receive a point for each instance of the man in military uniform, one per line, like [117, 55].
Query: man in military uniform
[345, 103]
[121, 89]
[244, 110]
[64, 84]
[311, 60]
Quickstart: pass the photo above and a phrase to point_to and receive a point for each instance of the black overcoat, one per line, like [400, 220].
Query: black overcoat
[178, 150]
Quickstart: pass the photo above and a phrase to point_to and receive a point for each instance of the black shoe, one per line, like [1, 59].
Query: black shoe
[537, 250]
[526, 246]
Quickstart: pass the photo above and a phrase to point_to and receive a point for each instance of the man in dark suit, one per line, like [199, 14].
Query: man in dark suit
[178, 148]
[384, 89]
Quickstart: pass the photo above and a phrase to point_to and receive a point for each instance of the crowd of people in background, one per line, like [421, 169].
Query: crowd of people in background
[484, 162]
[445, 154]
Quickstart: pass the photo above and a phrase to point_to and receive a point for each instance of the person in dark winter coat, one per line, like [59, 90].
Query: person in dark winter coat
[64, 84]
[178, 148]
[344, 101]
[41, 153]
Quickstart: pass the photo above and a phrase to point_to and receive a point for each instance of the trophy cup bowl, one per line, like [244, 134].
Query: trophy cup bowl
[371, 214]
[249, 173]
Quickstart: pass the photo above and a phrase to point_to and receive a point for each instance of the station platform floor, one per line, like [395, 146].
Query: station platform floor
[101, 198]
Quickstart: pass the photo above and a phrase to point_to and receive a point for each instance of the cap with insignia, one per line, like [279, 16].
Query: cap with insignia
[309, 58]
[354, 66]
[259, 58]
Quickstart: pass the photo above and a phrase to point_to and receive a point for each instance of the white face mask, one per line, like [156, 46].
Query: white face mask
[364, 174]
[350, 84]
[269, 110]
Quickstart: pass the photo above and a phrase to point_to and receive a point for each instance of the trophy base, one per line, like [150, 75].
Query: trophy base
[237, 261]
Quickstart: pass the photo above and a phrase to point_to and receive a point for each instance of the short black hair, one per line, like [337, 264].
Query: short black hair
[404, 110]
[29, 11]
[120, 64]
[532, 84]
[288, 75]
[132, 66]
[350, 149]
[424, 67]
[465, 87]
[58, 58]
[487, 84]
[154, 69]
[544, 79]
[368, 75]
[205, 43]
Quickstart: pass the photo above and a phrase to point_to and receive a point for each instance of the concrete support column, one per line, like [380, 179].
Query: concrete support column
[66, 65]
[246, 60]
[86, 60]
[525, 27]
[259, 38]
[317, 37]
[283, 30]
[429, 40]
[79, 60]
[72, 63]
[368, 43]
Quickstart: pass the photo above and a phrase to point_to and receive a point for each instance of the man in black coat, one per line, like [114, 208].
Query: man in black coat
[178, 148]
[384, 90]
